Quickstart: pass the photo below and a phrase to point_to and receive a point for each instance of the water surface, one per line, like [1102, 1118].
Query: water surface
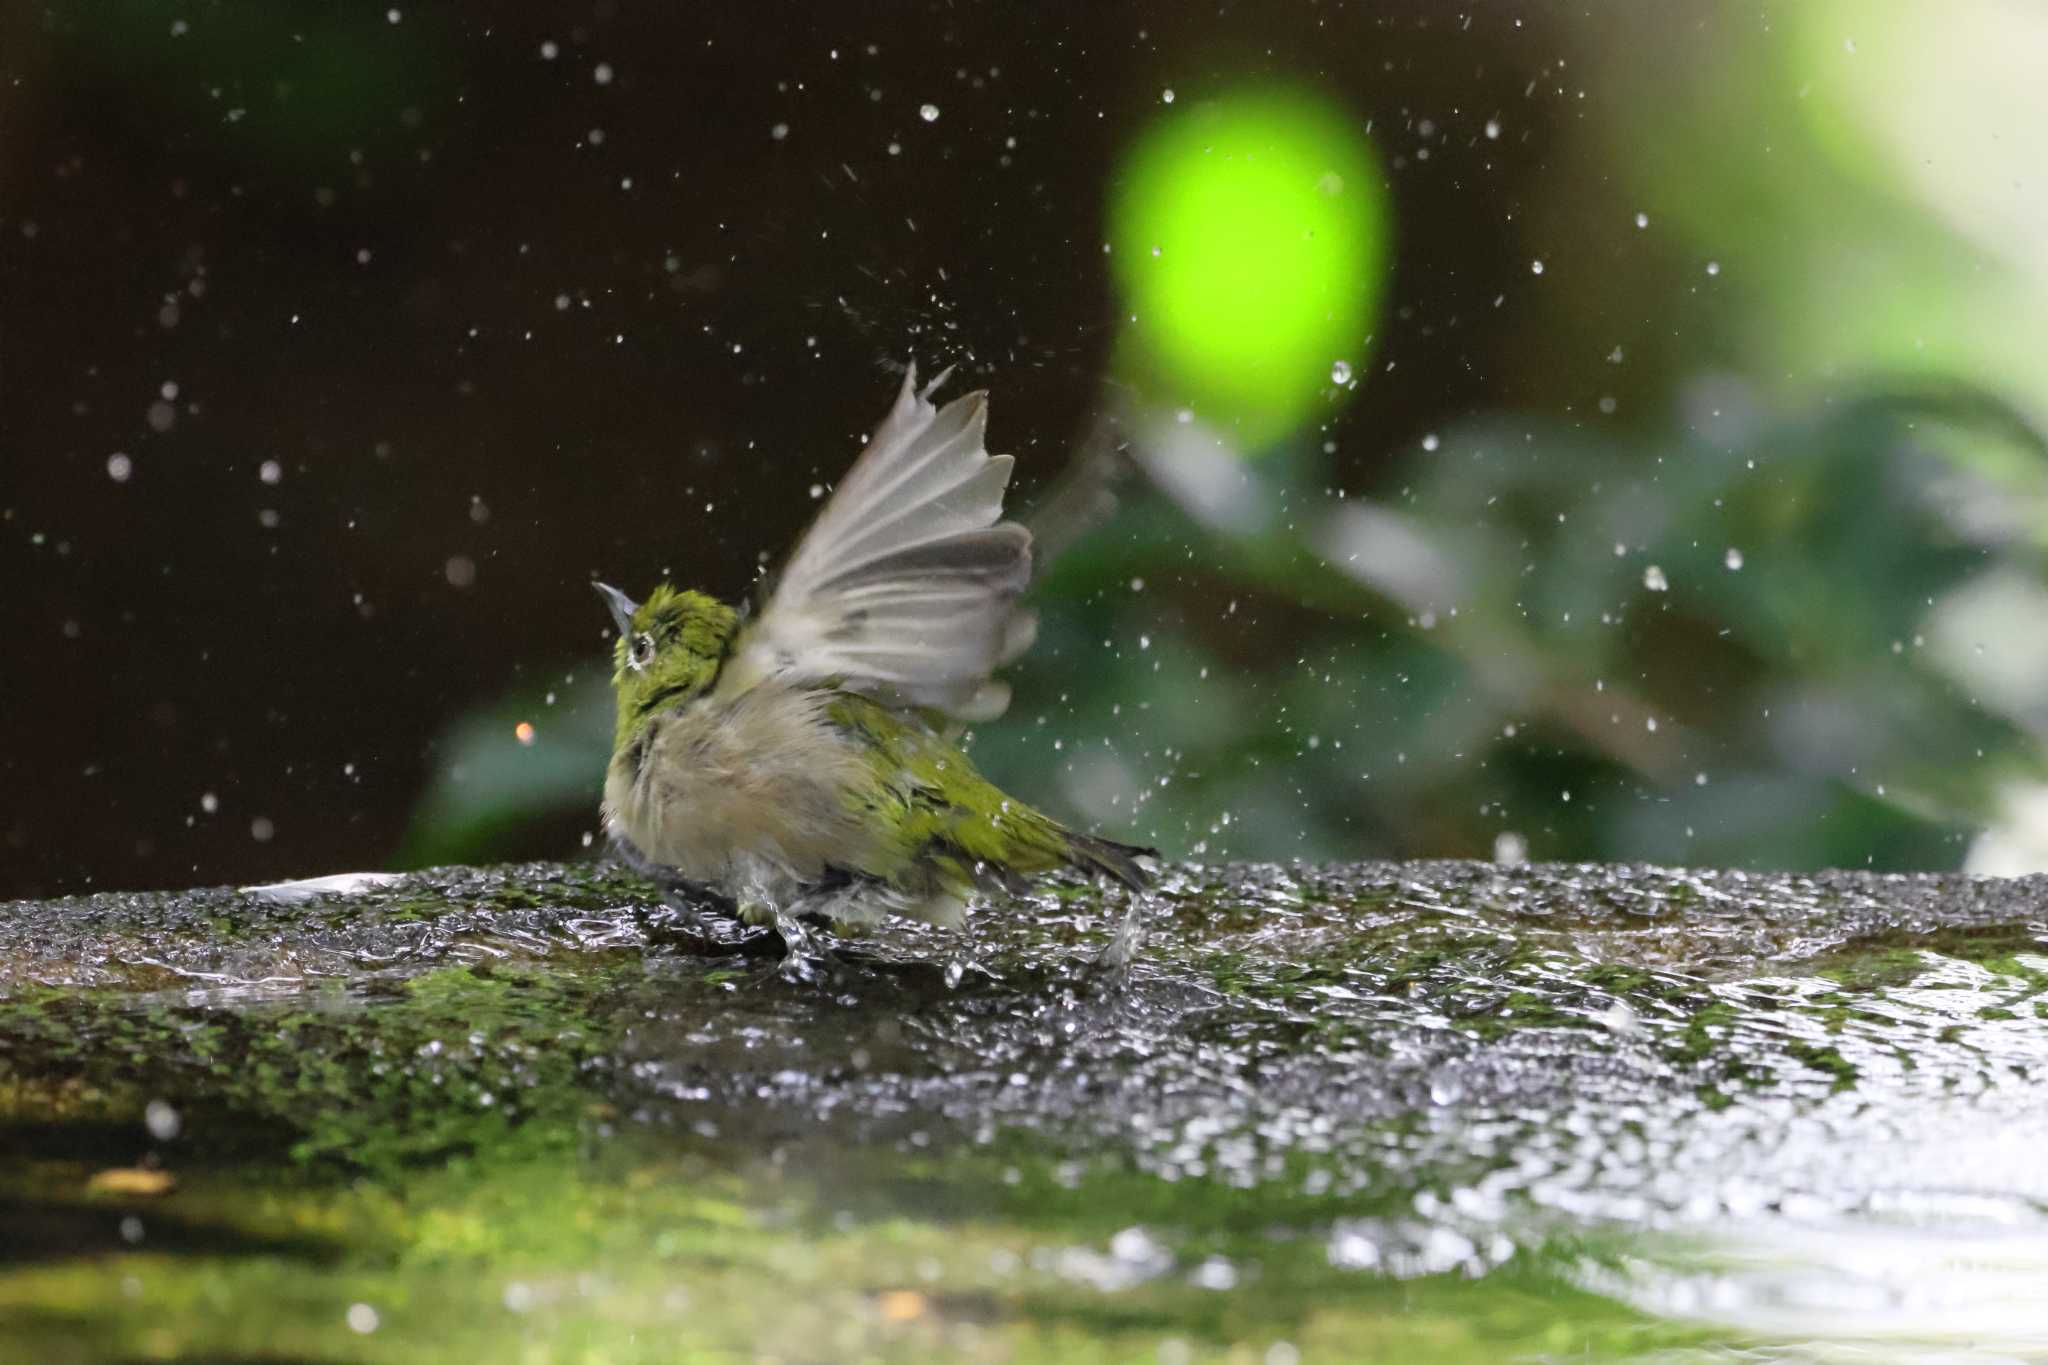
[1434, 1111]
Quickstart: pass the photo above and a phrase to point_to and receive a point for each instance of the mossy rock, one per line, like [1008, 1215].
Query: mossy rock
[1435, 1111]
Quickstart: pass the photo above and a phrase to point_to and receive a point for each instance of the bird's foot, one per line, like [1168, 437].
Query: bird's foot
[711, 924]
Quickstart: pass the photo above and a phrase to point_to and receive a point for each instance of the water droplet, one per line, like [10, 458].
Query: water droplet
[362, 1319]
[1134, 1244]
[1621, 1019]
[1340, 372]
[1733, 559]
[603, 74]
[270, 471]
[928, 112]
[1536, 267]
[119, 467]
[161, 1120]
[779, 131]
[1713, 267]
[1430, 441]
[1654, 579]
[524, 732]
[1492, 128]
[1166, 95]
[1642, 220]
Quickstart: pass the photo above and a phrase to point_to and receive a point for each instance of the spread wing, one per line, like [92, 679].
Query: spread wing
[906, 585]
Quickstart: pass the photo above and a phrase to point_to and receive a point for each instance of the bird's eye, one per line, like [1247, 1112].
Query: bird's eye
[643, 650]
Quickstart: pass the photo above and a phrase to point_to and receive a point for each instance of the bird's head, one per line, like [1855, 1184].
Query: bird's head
[669, 649]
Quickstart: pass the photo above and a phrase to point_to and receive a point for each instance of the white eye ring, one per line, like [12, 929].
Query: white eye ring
[642, 652]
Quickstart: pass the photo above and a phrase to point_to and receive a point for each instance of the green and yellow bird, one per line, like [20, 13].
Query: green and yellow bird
[803, 760]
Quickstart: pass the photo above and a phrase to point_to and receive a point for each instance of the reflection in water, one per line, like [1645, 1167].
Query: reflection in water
[1900, 1293]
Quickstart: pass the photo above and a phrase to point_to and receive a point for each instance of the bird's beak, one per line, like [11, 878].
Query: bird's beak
[622, 607]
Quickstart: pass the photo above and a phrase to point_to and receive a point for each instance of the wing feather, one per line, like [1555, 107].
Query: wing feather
[906, 585]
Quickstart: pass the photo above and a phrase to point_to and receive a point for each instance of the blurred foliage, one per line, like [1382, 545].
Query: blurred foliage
[1795, 267]
[498, 782]
[1853, 169]
[1768, 631]
[1751, 641]
[1741, 645]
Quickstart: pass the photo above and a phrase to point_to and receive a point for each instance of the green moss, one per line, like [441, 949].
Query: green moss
[1699, 1038]
[636, 1252]
[1714, 1098]
[1827, 1060]
[1620, 979]
[1879, 969]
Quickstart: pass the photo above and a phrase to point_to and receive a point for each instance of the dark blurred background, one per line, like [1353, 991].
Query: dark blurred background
[1660, 481]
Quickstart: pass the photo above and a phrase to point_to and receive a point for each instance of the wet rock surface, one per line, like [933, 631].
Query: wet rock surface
[1729, 1111]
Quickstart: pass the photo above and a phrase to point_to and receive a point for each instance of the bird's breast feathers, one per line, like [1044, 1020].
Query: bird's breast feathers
[749, 793]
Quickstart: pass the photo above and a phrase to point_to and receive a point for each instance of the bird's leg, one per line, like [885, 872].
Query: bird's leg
[706, 915]
[714, 924]
[671, 882]
[701, 903]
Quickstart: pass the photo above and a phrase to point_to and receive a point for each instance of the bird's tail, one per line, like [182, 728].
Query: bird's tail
[1107, 856]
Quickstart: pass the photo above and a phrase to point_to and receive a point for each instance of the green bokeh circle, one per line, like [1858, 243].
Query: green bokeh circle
[1249, 236]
